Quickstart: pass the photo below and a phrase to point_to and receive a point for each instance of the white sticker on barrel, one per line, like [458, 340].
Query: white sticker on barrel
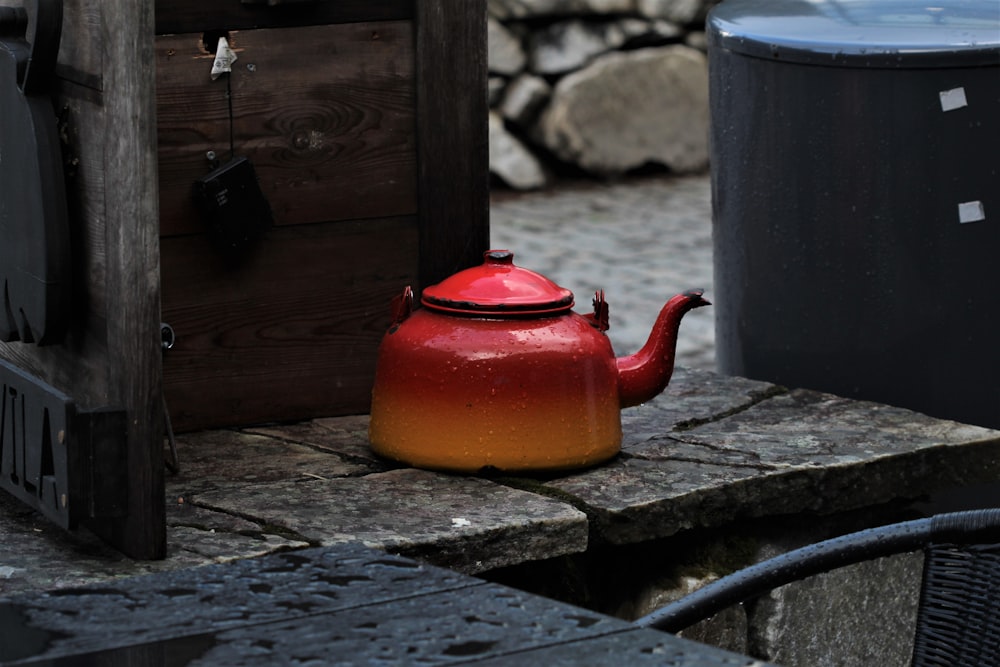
[971, 211]
[953, 99]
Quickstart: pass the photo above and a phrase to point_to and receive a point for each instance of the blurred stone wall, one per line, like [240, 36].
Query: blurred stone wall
[598, 86]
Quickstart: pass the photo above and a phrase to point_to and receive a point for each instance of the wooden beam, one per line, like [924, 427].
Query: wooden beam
[110, 359]
[133, 269]
[174, 16]
[452, 136]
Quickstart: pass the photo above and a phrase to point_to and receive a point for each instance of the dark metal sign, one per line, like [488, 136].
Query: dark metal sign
[34, 235]
[68, 463]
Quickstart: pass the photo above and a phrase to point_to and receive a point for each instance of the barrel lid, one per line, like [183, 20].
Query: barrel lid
[498, 287]
[861, 33]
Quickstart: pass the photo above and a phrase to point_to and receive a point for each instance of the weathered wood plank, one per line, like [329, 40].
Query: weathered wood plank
[452, 139]
[80, 59]
[176, 16]
[292, 333]
[325, 114]
[78, 367]
[133, 280]
[110, 357]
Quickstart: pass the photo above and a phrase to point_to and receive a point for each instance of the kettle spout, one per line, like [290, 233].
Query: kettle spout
[643, 375]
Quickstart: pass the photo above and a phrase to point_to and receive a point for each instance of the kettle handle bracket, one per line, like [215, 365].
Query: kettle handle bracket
[402, 306]
[601, 319]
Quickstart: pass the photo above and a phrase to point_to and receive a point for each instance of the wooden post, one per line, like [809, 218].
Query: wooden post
[133, 264]
[110, 358]
[452, 137]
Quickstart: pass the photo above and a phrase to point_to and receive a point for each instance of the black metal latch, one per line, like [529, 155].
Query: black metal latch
[34, 232]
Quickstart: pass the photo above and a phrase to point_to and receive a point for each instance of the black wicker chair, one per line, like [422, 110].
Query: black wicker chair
[958, 621]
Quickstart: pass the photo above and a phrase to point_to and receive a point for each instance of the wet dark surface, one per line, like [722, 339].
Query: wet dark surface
[345, 605]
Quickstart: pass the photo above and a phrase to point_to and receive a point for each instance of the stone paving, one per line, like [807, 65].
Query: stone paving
[640, 240]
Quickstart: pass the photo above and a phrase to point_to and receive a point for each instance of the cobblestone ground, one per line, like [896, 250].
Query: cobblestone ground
[641, 241]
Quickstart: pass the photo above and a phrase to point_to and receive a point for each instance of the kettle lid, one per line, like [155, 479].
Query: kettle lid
[498, 288]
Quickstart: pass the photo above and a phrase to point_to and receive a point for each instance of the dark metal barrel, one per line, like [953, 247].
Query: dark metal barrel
[855, 149]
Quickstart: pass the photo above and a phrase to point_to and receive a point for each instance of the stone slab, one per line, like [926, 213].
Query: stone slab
[213, 547]
[35, 554]
[225, 458]
[465, 523]
[693, 396]
[214, 597]
[807, 428]
[803, 451]
[345, 436]
[345, 605]
[448, 627]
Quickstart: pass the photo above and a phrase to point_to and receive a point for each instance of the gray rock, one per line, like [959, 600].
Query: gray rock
[678, 11]
[832, 614]
[519, 9]
[726, 630]
[697, 39]
[524, 98]
[632, 27]
[627, 109]
[505, 53]
[495, 87]
[641, 32]
[569, 45]
[510, 160]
